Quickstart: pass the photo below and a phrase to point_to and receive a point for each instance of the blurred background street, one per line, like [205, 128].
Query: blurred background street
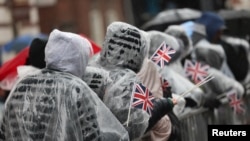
[22, 20]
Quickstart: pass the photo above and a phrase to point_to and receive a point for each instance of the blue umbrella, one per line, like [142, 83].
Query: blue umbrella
[20, 42]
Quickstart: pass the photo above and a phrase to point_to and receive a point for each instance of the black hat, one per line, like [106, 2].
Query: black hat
[36, 53]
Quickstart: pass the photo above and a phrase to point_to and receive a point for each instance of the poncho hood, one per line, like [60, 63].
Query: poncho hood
[60, 56]
[157, 38]
[212, 54]
[180, 34]
[124, 46]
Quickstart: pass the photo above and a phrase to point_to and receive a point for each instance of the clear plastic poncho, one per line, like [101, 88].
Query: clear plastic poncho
[123, 52]
[213, 55]
[55, 104]
[118, 99]
[97, 79]
[177, 81]
[125, 46]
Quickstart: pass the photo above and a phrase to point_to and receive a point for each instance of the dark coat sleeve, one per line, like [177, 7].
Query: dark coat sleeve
[161, 108]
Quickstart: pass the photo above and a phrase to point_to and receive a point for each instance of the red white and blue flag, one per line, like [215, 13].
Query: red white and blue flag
[163, 55]
[196, 71]
[142, 98]
[235, 101]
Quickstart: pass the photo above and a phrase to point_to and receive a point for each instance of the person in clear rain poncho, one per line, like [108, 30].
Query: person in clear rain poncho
[177, 81]
[123, 55]
[35, 60]
[55, 104]
[28, 60]
[223, 84]
[185, 46]
[236, 49]
[214, 56]
[213, 26]
[180, 33]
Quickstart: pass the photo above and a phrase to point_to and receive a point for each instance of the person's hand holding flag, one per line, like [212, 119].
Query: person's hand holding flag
[175, 101]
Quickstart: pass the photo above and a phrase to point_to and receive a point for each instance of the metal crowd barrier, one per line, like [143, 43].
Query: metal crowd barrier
[194, 124]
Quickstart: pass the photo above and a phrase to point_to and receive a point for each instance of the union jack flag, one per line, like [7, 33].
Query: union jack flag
[195, 71]
[142, 98]
[163, 55]
[235, 102]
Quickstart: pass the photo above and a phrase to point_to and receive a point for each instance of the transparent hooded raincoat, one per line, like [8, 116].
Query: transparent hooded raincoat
[175, 75]
[55, 104]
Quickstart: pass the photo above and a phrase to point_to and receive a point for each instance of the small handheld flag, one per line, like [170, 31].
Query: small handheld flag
[235, 102]
[163, 55]
[196, 71]
[142, 98]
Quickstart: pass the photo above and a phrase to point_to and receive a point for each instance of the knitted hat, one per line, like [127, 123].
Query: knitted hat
[36, 53]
